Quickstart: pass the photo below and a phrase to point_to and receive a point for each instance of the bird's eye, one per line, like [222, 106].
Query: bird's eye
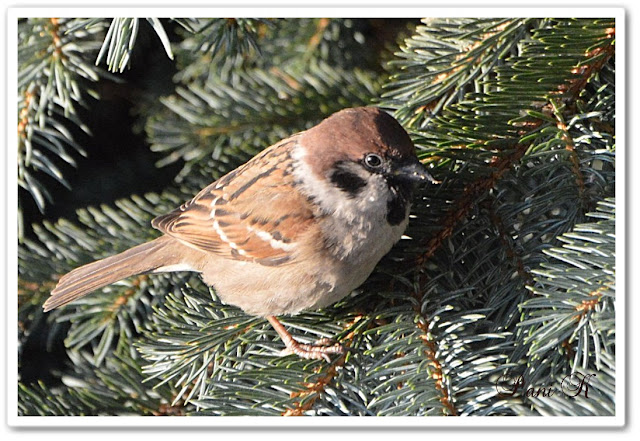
[372, 160]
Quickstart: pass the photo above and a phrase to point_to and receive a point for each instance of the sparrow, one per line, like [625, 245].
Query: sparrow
[298, 227]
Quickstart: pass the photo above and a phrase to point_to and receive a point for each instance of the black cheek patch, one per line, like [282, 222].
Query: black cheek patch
[347, 181]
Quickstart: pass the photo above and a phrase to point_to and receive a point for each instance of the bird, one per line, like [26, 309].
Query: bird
[297, 227]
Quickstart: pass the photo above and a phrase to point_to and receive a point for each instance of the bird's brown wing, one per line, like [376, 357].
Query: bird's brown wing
[253, 213]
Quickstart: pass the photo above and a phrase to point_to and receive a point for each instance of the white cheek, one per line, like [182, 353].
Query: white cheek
[357, 226]
[371, 201]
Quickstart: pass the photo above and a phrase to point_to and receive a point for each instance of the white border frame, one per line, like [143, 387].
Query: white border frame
[14, 420]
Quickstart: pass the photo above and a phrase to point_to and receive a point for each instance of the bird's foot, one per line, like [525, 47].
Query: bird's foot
[319, 350]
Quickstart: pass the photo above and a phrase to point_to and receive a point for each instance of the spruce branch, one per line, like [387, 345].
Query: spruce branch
[223, 124]
[436, 370]
[40, 400]
[228, 41]
[121, 38]
[446, 59]
[117, 388]
[492, 157]
[575, 297]
[120, 312]
[217, 118]
[221, 48]
[52, 81]
[314, 389]
[498, 165]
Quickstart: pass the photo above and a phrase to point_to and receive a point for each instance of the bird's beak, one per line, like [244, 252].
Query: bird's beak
[413, 171]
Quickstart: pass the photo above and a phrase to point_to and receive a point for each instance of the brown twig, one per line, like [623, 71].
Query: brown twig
[436, 369]
[316, 38]
[590, 304]
[126, 295]
[55, 37]
[464, 52]
[570, 147]
[569, 352]
[504, 236]
[313, 390]
[23, 116]
[471, 195]
[165, 409]
[584, 72]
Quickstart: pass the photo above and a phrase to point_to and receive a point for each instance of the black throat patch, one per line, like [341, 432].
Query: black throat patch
[346, 180]
[399, 201]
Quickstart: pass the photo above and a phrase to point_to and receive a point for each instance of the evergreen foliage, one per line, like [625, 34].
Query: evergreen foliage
[507, 270]
[121, 38]
[54, 76]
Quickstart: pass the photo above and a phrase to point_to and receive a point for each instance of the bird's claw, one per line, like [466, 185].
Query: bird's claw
[319, 350]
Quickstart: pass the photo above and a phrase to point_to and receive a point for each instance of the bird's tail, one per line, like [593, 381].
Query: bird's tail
[81, 281]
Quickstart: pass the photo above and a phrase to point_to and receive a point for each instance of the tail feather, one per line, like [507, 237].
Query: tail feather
[81, 281]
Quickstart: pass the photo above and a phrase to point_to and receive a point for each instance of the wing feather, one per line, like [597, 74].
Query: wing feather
[240, 215]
